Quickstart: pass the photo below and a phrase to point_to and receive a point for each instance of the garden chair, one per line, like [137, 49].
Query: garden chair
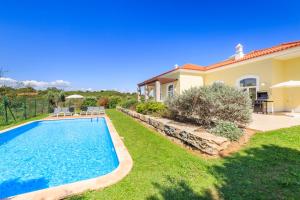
[66, 111]
[56, 112]
[101, 110]
[98, 110]
[88, 111]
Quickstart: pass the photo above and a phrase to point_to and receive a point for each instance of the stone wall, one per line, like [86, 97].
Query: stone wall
[189, 134]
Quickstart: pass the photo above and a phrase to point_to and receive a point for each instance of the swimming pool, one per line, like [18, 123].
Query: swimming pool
[44, 154]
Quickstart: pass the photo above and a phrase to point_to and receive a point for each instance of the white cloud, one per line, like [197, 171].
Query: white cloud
[33, 83]
[9, 82]
[86, 89]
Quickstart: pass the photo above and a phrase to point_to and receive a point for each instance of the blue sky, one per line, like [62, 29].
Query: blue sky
[116, 44]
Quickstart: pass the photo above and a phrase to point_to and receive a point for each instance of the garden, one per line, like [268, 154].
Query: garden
[219, 109]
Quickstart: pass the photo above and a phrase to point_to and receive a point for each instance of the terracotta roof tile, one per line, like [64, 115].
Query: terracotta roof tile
[193, 67]
[256, 53]
[252, 54]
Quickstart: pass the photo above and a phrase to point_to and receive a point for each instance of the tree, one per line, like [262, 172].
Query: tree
[62, 97]
[89, 101]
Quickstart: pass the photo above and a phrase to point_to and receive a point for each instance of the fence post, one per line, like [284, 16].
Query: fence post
[7, 107]
[12, 114]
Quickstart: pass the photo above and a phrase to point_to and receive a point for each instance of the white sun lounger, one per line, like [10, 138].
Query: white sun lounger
[56, 112]
[93, 111]
[66, 111]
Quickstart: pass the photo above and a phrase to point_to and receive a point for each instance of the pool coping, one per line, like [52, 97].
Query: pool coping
[63, 191]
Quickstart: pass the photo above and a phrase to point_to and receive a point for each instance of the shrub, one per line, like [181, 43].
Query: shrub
[103, 101]
[129, 103]
[150, 107]
[204, 105]
[89, 101]
[113, 101]
[227, 129]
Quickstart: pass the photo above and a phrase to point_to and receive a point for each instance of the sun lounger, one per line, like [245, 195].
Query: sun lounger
[98, 110]
[86, 112]
[66, 112]
[56, 112]
[101, 110]
[93, 111]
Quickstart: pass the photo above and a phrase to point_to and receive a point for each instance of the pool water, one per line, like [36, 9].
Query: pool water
[44, 154]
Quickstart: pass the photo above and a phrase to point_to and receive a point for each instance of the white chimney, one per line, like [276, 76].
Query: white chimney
[239, 53]
[176, 66]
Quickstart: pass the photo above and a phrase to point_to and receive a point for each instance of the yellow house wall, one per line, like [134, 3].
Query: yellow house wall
[188, 80]
[291, 69]
[262, 69]
[265, 70]
[278, 94]
[185, 80]
[269, 72]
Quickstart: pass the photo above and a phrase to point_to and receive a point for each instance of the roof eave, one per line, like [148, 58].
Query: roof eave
[168, 72]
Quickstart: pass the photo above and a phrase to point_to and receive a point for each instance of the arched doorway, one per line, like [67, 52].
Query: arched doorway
[250, 85]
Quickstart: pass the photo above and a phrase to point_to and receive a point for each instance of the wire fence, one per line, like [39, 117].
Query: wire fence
[14, 109]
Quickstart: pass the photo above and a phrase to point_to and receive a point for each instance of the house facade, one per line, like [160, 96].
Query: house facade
[256, 73]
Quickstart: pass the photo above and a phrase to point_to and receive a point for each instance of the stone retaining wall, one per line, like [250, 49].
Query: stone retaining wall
[189, 134]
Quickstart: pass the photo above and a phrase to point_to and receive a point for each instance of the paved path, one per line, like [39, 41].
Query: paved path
[271, 122]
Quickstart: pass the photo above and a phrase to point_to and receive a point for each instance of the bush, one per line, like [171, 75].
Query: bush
[89, 101]
[205, 105]
[113, 101]
[103, 102]
[150, 108]
[129, 103]
[227, 129]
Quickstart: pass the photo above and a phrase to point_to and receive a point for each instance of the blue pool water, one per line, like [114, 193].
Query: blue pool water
[50, 153]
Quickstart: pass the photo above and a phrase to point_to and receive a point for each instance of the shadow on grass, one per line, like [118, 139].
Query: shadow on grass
[17, 186]
[268, 172]
[177, 190]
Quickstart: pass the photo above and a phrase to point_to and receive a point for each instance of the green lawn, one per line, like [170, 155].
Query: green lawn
[267, 168]
[23, 121]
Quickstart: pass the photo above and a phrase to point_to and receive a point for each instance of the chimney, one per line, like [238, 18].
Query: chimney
[239, 53]
[176, 66]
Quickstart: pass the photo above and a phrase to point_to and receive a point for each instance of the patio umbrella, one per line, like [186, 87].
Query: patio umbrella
[287, 84]
[75, 97]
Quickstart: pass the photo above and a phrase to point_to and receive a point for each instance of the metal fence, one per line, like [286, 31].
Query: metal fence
[13, 109]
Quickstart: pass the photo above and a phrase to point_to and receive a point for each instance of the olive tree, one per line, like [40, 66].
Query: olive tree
[208, 104]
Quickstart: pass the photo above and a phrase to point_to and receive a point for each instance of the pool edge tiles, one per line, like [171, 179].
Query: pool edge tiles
[63, 191]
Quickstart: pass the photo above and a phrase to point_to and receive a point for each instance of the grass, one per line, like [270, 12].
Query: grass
[23, 121]
[267, 168]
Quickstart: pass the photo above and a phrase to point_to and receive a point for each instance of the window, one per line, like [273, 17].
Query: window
[171, 90]
[249, 84]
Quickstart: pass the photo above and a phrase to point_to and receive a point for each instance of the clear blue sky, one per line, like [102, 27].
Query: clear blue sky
[116, 44]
